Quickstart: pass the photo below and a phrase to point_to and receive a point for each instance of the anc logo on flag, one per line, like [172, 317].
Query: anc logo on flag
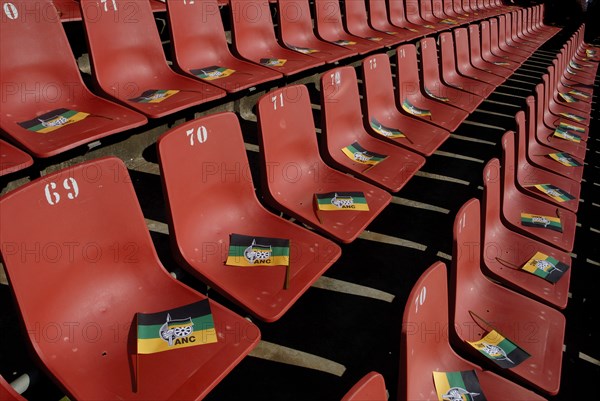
[546, 267]
[385, 131]
[555, 192]
[273, 62]
[563, 134]
[436, 97]
[566, 126]
[246, 250]
[213, 72]
[359, 154]
[343, 42]
[154, 95]
[342, 201]
[303, 50]
[53, 120]
[536, 220]
[414, 110]
[501, 350]
[565, 159]
[458, 386]
[181, 327]
[567, 98]
[574, 117]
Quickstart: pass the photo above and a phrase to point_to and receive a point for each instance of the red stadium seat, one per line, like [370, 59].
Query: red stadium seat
[379, 19]
[7, 393]
[425, 347]
[46, 107]
[579, 106]
[441, 112]
[343, 126]
[200, 48]
[463, 60]
[512, 35]
[476, 56]
[486, 49]
[254, 39]
[568, 116]
[357, 23]
[537, 328]
[506, 251]
[210, 151]
[80, 261]
[12, 159]
[296, 27]
[293, 173]
[398, 18]
[414, 15]
[330, 27]
[384, 116]
[499, 49]
[504, 42]
[370, 388]
[68, 10]
[453, 9]
[152, 87]
[450, 74]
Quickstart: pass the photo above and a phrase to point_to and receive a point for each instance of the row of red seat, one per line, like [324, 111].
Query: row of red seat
[44, 82]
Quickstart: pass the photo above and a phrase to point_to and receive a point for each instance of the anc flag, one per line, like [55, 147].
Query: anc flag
[460, 386]
[342, 201]
[412, 29]
[565, 159]
[391, 32]
[574, 117]
[53, 120]
[154, 95]
[359, 154]
[536, 220]
[409, 108]
[563, 134]
[546, 267]
[579, 93]
[374, 38]
[571, 71]
[567, 126]
[181, 327]
[213, 72]
[385, 131]
[574, 65]
[273, 62]
[246, 250]
[555, 192]
[448, 21]
[567, 98]
[501, 63]
[436, 97]
[343, 42]
[429, 26]
[501, 350]
[303, 50]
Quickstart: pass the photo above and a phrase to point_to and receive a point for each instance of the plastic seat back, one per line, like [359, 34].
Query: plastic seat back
[7, 393]
[80, 261]
[357, 23]
[379, 19]
[200, 47]
[12, 159]
[370, 387]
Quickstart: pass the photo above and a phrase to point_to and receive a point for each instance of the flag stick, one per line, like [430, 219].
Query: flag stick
[137, 372]
[286, 283]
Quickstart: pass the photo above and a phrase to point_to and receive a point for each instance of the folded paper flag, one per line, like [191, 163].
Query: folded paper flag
[501, 350]
[448, 21]
[412, 29]
[563, 134]
[343, 42]
[273, 62]
[574, 117]
[53, 120]
[182, 327]
[154, 95]
[458, 386]
[566, 126]
[436, 97]
[555, 192]
[213, 72]
[374, 38]
[247, 250]
[409, 108]
[565, 159]
[360, 155]
[546, 267]
[501, 63]
[303, 50]
[567, 98]
[579, 93]
[429, 26]
[385, 131]
[391, 32]
[575, 66]
[536, 220]
[342, 201]
[571, 71]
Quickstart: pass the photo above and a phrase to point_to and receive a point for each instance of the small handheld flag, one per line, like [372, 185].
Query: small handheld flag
[574, 117]
[386, 131]
[555, 192]
[565, 159]
[181, 327]
[564, 134]
[343, 42]
[357, 153]
[213, 72]
[567, 126]
[303, 50]
[245, 250]
[333, 201]
[273, 62]
[500, 350]
[567, 98]
[546, 267]
[436, 97]
[154, 95]
[458, 386]
[536, 220]
[53, 120]
[414, 110]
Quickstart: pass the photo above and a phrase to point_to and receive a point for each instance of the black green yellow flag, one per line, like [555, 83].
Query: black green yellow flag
[546, 267]
[303, 50]
[429, 26]
[555, 192]
[273, 62]
[536, 220]
[458, 386]
[501, 63]
[154, 95]
[565, 159]
[342, 201]
[246, 250]
[579, 93]
[412, 29]
[385, 131]
[414, 110]
[213, 72]
[575, 66]
[567, 136]
[567, 126]
[574, 117]
[448, 21]
[436, 97]
[374, 38]
[53, 120]
[182, 327]
[343, 42]
[359, 154]
[501, 350]
[567, 98]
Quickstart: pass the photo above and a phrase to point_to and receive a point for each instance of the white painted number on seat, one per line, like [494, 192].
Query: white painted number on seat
[420, 300]
[274, 100]
[69, 184]
[201, 134]
[11, 11]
